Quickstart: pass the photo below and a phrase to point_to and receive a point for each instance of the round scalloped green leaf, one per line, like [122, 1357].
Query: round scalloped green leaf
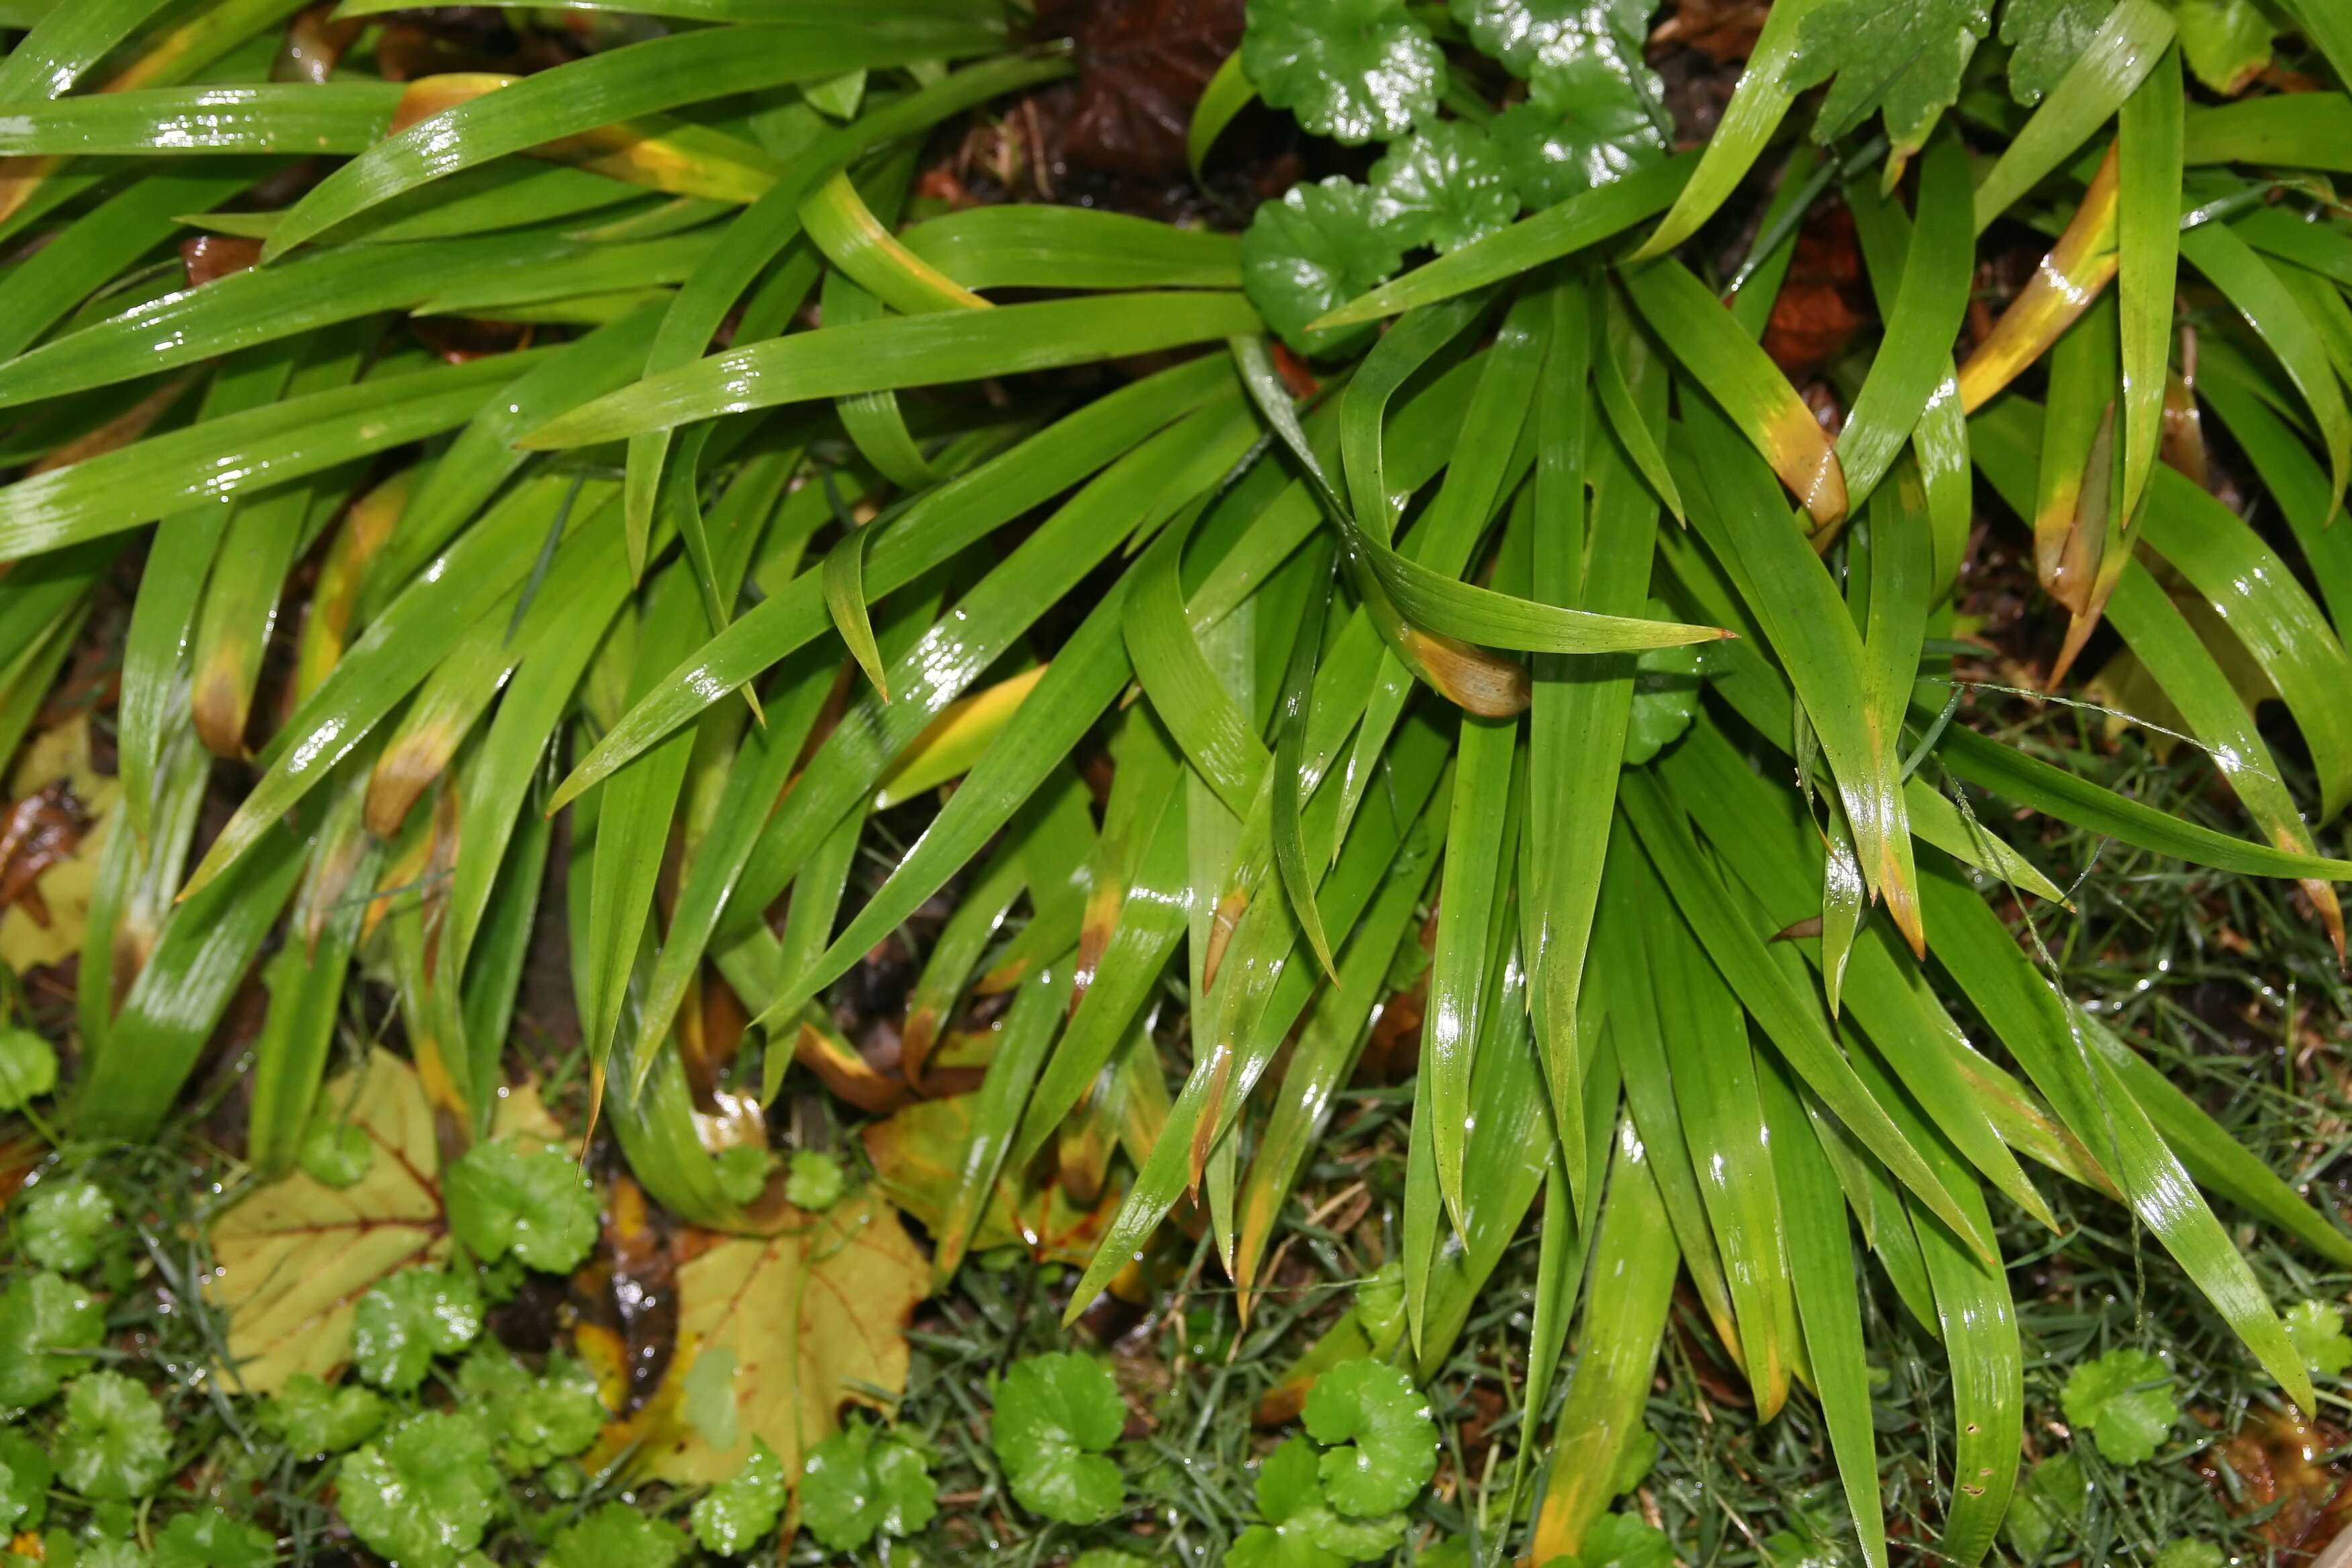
[533, 1200]
[2318, 1330]
[423, 1494]
[25, 1476]
[1445, 187]
[417, 1314]
[615, 1534]
[1354, 70]
[2126, 1400]
[316, 1418]
[43, 1317]
[1313, 251]
[113, 1443]
[211, 1539]
[28, 1069]
[1526, 33]
[1055, 1415]
[63, 1224]
[1583, 126]
[1384, 1443]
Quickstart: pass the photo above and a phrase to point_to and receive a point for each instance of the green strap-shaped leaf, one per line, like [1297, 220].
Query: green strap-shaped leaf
[2247, 281]
[2148, 138]
[755, 240]
[1744, 382]
[1618, 1355]
[258, 305]
[2236, 391]
[1327, 1052]
[240, 452]
[68, 40]
[1770, 851]
[334, 117]
[624, 83]
[1981, 1341]
[40, 290]
[1479, 836]
[1261, 997]
[902, 351]
[1715, 1081]
[1229, 92]
[1209, 728]
[1626, 993]
[207, 944]
[1829, 1307]
[397, 652]
[1915, 356]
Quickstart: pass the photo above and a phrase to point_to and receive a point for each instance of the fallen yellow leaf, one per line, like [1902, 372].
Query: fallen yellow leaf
[291, 1260]
[814, 1318]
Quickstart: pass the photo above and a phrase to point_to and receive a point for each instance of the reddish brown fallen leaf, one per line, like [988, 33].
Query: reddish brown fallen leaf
[1720, 30]
[1141, 65]
[2274, 1463]
[35, 833]
[1823, 302]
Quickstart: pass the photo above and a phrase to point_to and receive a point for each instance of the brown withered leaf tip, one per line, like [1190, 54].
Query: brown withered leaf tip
[210, 256]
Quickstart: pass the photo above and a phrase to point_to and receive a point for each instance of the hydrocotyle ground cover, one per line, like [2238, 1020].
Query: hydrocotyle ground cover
[691, 777]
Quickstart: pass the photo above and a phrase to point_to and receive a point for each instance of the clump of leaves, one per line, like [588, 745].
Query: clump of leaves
[2318, 1330]
[1301, 1526]
[1622, 1540]
[2048, 1505]
[2124, 1400]
[616, 1534]
[1580, 126]
[337, 1153]
[1311, 252]
[25, 1472]
[28, 1069]
[1896, 59]
[862, 1482]
[417, 1314]
[1056, 1416]
[64, 1224]
[738, 1514]
[814, 1181]
[534, 1421]
[315, 1418]
[1382, 1443]
[211, 1539]
[1354, 70]
[1444, 186]
[534, 1202]
[424, 1492]
[113, 1444]
[43, 1317]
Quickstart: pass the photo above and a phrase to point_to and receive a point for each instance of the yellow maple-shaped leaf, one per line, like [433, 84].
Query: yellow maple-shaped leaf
[814, 1317]
[293, 1258]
